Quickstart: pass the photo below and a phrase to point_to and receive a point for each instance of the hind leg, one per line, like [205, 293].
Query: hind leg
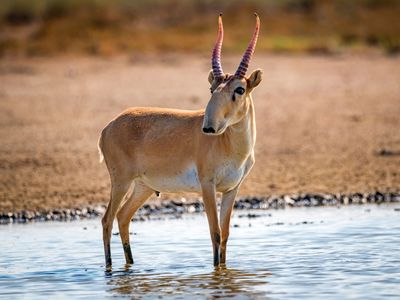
[119, 189]
[139, 196]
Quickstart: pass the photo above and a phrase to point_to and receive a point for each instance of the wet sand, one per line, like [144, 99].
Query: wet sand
[325, 124]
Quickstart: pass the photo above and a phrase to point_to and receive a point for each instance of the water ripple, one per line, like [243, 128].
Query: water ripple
[312, 254]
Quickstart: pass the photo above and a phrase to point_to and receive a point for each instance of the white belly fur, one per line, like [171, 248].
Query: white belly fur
[227, 177]
[185, 181]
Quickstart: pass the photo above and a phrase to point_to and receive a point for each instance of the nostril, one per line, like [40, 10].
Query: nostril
[208, 130]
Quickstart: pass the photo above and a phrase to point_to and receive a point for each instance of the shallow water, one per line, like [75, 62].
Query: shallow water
[310, 253]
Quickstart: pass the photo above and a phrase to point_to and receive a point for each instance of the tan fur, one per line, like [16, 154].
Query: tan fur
[165, 150]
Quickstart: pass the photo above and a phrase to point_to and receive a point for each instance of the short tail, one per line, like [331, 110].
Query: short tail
[99, 144]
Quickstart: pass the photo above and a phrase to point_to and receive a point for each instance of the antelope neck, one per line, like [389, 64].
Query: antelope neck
[242, 135]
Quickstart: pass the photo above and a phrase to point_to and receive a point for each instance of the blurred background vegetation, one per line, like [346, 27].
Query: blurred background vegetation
[101, 27]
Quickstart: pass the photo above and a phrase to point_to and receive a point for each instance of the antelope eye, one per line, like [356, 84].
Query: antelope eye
[239, 90]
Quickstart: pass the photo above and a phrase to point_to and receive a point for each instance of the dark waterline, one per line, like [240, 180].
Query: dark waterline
[309, 253]
[195, 205]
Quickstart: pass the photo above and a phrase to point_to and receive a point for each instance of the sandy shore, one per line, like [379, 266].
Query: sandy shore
[325, 124]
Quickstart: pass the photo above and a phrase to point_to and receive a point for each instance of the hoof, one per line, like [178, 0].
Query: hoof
[129, 262]
[108, 268]
[128, 254]
[216, 262]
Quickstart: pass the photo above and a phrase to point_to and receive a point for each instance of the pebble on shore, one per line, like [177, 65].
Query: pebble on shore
[177, 207]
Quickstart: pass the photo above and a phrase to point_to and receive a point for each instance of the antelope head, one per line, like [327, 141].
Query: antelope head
[230, 94]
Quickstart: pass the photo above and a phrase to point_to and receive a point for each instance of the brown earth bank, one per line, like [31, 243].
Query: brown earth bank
[325, 124]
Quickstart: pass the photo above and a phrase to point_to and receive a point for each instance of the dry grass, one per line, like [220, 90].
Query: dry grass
[100, 27]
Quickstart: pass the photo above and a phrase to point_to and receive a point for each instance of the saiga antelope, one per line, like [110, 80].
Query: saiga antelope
[171, 150]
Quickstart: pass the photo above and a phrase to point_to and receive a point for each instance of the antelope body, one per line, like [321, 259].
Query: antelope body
[170, 150]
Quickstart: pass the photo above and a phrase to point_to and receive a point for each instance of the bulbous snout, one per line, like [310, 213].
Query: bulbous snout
[208, 130]
[214, 122]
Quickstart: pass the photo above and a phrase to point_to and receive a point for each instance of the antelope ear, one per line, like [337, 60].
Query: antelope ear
[211, 77]
[255, 79]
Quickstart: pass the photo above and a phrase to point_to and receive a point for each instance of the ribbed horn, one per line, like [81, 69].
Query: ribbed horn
[216, 53]
[244, 64]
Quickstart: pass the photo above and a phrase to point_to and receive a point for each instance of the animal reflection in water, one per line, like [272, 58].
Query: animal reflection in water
[221, 282]
[171, 150]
